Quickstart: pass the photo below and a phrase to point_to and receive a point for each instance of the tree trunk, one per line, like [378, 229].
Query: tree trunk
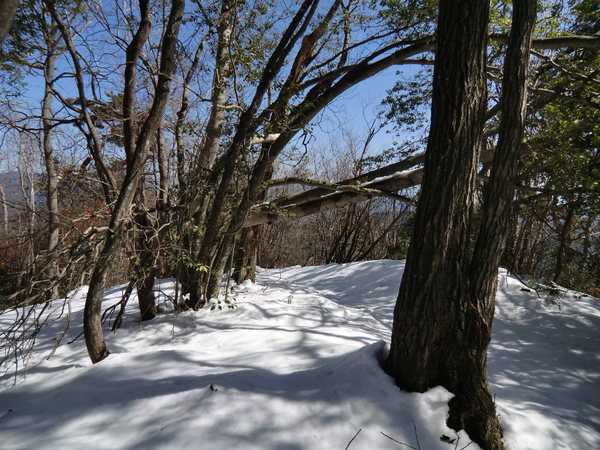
[565, 234]
[221, 79]
[146, 299]
[51, 171]
[92, 323]
[246, 255]
[438, 337]
[500, 191]
[8, 10]
[4, 212]
[443, 317]
[147, 247]
[162, 205]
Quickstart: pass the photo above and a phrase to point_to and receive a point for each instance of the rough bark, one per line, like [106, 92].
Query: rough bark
[92, 318]
[500, 190]
[443, 317]
[438, 337]
[8, 10]
[495, 224]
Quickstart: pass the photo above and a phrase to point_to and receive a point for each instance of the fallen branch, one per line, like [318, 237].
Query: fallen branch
[359, 430]
[398, 442]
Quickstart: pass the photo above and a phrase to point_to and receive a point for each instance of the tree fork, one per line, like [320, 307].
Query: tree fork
[94, 337]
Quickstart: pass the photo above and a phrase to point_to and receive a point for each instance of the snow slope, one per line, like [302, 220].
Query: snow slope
[295, 366]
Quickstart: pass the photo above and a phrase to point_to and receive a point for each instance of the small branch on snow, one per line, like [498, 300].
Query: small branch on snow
[416, 434]
[398, 442]
[359, 430]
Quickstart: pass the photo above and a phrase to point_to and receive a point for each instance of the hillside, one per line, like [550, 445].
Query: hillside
[294, 366]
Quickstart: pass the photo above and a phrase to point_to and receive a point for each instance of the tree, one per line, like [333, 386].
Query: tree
[50, 162]
[444, 312]
[249, 80]
[92, 318]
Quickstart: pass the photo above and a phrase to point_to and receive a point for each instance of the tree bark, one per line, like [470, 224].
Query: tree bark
[246, 255]
[443, 317]
[92, 318]
[500, 190]
[133, 52]
[147, 247]
[438, 337]
[4, 212]
[221, 77]
[51, 170]
[8, 10]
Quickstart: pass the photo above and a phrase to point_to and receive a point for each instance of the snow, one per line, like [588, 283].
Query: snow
[295, 366]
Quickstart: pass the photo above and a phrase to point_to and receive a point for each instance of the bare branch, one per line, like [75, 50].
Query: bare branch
[589, 42]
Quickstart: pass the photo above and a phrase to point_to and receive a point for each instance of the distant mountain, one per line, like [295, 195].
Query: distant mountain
[11, 184]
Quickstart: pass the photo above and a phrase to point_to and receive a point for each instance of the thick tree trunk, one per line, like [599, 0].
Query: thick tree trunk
[443, 318]
[438, 337]
[146, 299]
[500, 192]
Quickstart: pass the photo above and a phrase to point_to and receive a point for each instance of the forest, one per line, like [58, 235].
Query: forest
[154, 139]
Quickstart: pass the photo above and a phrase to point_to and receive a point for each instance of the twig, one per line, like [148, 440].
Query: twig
[416, 435]
[359, 430]
[77, 337]
[65, 327]
[398, 442]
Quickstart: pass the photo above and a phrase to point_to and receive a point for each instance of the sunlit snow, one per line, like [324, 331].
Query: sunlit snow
[295, 366]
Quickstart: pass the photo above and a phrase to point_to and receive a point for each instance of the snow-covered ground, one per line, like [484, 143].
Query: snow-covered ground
[295, 366]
